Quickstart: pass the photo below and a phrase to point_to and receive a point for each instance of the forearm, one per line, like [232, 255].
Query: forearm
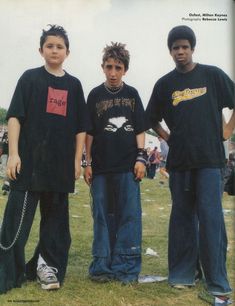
[13, 135]
[88, 144]
[228, 127]
[161, 132]
[141, 159]
[88, 169]
[140, 139]
[80, 141]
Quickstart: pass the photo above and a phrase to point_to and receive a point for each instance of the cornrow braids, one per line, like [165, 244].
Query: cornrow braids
[117, 51]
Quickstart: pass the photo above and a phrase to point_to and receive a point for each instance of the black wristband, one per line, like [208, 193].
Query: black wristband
[142, 156]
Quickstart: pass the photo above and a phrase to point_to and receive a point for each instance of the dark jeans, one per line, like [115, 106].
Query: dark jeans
[117, 226]
[54, 241]
[197, 227]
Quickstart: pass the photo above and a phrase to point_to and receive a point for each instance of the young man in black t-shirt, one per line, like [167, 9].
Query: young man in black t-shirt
[190, 99]
[47, 120]
[115, 164]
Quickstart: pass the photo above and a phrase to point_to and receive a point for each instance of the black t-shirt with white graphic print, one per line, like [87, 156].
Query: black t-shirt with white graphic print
[51, 111]
[191, 105]
[116, 117]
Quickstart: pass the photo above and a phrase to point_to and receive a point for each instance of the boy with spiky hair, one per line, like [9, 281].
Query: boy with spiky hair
[190, 99]
[47, 120]
[116, 162]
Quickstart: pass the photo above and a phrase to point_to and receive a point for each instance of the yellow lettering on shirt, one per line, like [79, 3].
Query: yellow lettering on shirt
[187, 94]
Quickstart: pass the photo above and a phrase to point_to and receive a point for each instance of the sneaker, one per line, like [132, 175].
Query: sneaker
[6, 187]
[222, 301]
[181, 287]
[47, 278]
[214, 300]
[102, 278]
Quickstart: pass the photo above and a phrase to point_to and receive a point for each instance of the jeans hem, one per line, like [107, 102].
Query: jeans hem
[220, 293]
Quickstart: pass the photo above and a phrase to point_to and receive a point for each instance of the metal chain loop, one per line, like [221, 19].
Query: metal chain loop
[7, 248]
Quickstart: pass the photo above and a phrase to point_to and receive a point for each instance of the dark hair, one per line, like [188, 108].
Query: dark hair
[181, 32]
[54, 30]
[232, 156]
[117, 51]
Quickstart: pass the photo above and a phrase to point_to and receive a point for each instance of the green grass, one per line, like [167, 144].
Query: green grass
[80, 291]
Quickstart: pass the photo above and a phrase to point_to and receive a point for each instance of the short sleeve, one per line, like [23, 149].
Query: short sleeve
[154, 108]
[226, 90]
[83, 123]
[18, 105]
[139, 115]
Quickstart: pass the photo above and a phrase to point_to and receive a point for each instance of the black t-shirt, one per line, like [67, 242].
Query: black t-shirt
[191, 105]
[51, 111]
[116, 120]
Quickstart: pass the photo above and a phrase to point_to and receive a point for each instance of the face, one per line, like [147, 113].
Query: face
[181, 53]
[54, 51]
[114, 70]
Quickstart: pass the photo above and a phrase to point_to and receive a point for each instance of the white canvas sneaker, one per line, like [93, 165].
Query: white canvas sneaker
[46, 276]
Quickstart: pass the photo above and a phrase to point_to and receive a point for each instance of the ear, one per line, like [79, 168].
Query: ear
[67, 52]
[40, 51]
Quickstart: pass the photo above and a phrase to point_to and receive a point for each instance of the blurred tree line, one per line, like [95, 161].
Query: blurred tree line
[3, 113]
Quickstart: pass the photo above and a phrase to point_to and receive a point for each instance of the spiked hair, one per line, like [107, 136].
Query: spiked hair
[117, 51]
[54, 30]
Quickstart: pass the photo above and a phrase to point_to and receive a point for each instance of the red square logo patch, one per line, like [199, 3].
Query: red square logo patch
[57, 101]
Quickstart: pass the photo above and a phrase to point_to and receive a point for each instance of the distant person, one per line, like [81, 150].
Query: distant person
[229, 175]
[4, 158]
[116, 162]
[190, 99]
[4, 154]
[153, 162]
[47, 120]
[148, 151]
[164, 148]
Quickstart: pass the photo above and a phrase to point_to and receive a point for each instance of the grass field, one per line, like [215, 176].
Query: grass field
[78, 290]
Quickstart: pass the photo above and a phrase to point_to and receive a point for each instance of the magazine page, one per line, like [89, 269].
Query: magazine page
[140, 27]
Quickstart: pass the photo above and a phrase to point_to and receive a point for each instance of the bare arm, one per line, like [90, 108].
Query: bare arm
[228, 127]
[88, 169]
[140, 139]
[161, 132]
[80, 141]
[139, 168]
[14, 162]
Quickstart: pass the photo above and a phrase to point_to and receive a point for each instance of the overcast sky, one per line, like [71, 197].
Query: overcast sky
[142, 25]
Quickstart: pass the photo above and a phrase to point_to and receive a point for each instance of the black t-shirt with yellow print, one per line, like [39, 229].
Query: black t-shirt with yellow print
[191, 105]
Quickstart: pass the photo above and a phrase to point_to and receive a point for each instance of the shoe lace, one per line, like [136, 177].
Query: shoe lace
[48, 271]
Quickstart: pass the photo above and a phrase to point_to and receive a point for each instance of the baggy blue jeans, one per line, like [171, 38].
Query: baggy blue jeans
[197, 227]
[117, 226]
